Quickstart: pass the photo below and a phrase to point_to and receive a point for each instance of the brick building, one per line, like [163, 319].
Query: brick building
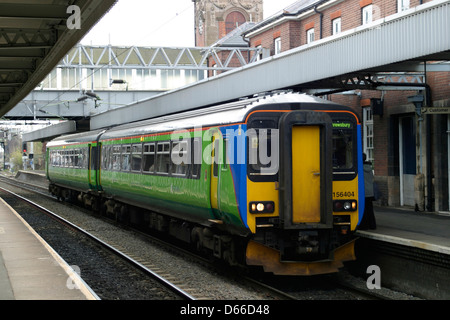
[220, 23]
[409, 150]
[214, 19]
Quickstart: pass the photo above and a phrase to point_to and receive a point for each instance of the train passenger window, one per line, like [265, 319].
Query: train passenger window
[180, 158]
[263, 152]
[216, 160]
[76, 153]
[105, 157]
[136, 157]
[115, 158]
[225, 154]
[163, 157]
[64, 159]
[342, 146]
[84, 158]
[125, 158]
[68, 158]
[71, 158]
[196, 158]
[58, 159]
[149, 158]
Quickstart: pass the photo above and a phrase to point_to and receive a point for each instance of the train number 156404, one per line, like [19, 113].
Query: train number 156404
[342, 194]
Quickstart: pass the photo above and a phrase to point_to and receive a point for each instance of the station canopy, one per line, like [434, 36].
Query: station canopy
[34, 37]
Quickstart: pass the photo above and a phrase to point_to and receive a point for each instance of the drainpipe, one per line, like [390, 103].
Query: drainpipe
[321, 20]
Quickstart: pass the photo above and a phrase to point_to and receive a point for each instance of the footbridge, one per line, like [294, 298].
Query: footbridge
[35, 37]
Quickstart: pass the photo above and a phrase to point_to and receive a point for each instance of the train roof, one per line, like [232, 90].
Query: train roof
[229, 113]
[76, 138]
[235, 112]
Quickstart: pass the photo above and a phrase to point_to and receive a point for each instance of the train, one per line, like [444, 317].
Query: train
[272, 181]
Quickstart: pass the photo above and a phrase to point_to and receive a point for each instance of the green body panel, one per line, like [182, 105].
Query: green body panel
[75, 178]
[167, 194]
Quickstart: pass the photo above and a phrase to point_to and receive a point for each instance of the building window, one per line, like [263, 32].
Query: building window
[277, 45]
[368, 132]
[310, 35]
[336, 26]
[367, 14]
[260, 55]
[233, 20]
[402, 5]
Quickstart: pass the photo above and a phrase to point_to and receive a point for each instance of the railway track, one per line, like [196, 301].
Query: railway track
[270, 288]
[34, 209]
[141, 260]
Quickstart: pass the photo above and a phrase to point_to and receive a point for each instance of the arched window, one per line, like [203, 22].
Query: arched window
[233, 20]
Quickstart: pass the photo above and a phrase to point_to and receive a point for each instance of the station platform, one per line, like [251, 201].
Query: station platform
[30, 269]
[424, 230]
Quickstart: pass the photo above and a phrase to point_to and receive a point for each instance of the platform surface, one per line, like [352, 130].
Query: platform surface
[426, 230]
[29, 268]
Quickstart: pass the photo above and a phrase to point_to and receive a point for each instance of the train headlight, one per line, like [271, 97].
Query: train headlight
[345, 205]
[262, 207]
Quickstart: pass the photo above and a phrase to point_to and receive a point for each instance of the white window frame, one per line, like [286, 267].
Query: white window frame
[277, 45]
[259, 56]
[367, 14]
[310, 35]
[368, 133]
[336, 24]
[402, 5]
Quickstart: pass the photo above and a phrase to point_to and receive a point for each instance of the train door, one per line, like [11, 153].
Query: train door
[306, 174]
[305, 187]
[92, 172]
[47, 162]
[214, 170]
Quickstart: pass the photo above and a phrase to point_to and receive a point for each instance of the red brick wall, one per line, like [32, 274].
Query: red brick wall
[293, 33]
[288, 32]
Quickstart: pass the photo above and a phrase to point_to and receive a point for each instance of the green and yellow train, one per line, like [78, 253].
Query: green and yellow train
[273, 181]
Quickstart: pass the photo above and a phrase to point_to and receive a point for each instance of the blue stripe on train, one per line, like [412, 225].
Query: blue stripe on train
[361, 189]
[237, 157]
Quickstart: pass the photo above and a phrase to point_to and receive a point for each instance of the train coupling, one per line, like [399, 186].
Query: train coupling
[308, 242]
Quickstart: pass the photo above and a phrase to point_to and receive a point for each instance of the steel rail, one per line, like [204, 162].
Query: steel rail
[130, 260]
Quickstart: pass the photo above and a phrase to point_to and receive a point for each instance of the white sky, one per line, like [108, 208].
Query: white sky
[168, 23]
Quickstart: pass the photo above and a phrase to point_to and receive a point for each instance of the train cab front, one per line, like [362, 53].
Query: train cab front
[299, 227]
